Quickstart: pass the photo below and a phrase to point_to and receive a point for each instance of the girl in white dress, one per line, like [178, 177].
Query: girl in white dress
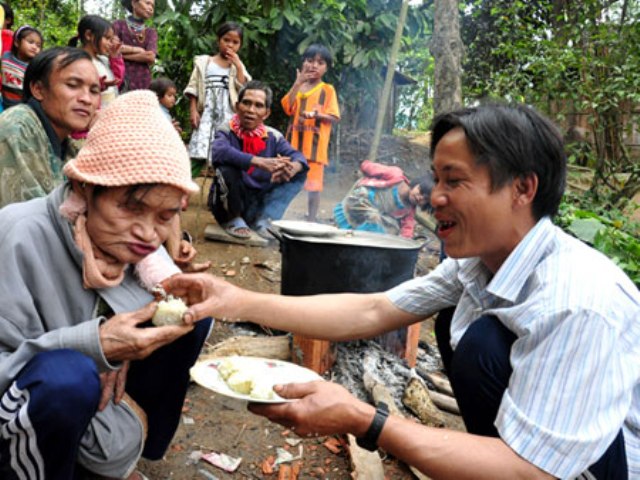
[213, 92]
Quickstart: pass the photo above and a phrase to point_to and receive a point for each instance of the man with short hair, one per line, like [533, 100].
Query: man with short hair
[542, 349]
[61, 95]
[258, 173]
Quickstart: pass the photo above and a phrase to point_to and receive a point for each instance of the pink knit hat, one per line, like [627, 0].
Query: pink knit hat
[132, 142]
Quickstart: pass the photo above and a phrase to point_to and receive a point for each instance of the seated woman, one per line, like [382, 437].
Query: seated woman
[383, 201]
[75, 305]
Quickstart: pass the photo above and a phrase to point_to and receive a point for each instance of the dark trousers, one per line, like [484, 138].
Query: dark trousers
[47, 409]
[479, 371]
[230, 197]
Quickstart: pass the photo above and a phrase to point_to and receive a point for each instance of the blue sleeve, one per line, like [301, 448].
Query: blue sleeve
[226, 151]
[285, 149]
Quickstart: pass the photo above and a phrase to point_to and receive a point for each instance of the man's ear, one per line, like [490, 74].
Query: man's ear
[525, 189]
[266, 115]
[37, 90]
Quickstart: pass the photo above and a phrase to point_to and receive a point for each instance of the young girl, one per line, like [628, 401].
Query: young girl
[213, 92]
[312, 105]
[166, 91]
[383, 201]
[98, 39]
[27, 43]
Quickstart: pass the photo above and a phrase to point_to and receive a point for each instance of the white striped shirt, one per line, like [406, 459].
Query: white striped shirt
[576, 361]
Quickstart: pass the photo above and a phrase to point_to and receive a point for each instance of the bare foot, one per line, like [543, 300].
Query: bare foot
[197, 267]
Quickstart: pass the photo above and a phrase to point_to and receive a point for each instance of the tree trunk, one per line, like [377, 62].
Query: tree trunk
[388, 82]
[446, 48]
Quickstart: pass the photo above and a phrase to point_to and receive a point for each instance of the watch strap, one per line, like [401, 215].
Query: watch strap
[370, 439]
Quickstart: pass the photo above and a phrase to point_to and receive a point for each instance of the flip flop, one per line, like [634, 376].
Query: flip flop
[237, 228]
[239, 232]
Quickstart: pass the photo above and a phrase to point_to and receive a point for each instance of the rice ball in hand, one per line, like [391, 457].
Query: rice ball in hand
[169, 312]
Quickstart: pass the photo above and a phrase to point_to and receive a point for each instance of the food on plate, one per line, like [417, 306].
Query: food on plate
[241, 382]
[244, 377]
[169, 312]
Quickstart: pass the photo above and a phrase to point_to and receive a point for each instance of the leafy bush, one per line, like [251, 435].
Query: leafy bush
[608, 231]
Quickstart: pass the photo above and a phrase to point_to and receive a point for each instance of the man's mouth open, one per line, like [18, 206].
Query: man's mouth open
[445, 228]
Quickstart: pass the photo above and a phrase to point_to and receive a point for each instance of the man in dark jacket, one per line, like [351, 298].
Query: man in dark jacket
[258, 173]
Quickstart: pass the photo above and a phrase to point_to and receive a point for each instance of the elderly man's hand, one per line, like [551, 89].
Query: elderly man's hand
[286, 172]
[122, 338]
[323, 408]
[270, 164]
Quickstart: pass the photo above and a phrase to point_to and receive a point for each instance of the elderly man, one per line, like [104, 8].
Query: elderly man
[543, 349]
[61, 95]
[258, 172]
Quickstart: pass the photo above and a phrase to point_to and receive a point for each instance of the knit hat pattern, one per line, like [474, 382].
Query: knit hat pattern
[132, 143]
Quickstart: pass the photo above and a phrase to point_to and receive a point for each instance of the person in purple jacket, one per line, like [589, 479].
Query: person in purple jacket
[258, 173]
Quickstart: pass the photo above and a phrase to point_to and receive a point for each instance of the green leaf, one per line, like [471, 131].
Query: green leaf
[586, 229]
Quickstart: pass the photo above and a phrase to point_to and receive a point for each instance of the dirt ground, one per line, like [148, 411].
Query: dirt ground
[212, 422]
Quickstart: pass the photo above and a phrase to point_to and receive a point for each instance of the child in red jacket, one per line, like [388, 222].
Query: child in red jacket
[383, 201]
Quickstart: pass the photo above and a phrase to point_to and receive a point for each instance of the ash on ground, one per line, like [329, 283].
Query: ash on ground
[355, 358]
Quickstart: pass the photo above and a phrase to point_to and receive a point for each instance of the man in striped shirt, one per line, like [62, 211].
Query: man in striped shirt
[543, 344]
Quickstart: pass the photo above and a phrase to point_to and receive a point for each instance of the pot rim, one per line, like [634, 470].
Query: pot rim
[352, 238]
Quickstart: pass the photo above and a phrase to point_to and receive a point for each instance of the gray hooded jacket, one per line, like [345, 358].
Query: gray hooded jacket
[44, 306]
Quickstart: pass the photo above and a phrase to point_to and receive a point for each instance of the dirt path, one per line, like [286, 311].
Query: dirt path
[214, 423]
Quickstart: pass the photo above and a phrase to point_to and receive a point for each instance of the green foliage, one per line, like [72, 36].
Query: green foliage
[571, 59]
[608, 231]
[56, 20]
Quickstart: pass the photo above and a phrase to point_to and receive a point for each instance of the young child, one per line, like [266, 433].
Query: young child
[27, 43]
[213, 92]
[166, 91]
[313, 106]
[383, 201]
[98, 39]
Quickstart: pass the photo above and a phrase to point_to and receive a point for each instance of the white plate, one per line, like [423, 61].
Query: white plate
[298, 227]
[205, 373]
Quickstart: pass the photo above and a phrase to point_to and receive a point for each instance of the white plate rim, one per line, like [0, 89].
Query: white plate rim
[211, 380]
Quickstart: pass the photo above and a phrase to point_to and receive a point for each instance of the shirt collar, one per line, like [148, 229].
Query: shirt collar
[523, 260]
[59, 148]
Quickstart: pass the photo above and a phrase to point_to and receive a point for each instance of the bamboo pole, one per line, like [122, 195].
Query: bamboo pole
[388, 82]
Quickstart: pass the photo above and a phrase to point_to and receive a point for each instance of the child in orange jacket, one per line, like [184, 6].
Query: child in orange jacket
[313, 106]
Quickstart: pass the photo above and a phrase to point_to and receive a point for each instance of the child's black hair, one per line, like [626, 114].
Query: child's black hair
[94, 24]
[426, 186]
[227, 27]
[317, 49]
[8, 14]
[160, 86]
[22, 32]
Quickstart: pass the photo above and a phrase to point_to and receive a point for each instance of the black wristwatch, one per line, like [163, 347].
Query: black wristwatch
[370, 439]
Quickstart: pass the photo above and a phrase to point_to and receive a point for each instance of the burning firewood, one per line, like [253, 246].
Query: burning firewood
[440, 382]
[416, 398]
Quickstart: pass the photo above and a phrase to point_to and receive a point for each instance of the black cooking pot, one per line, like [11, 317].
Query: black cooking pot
[347, 261]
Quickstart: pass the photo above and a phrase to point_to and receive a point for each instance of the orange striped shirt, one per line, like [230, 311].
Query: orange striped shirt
[311, 136]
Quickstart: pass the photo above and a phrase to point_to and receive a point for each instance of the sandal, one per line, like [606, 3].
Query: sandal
[237, 228]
